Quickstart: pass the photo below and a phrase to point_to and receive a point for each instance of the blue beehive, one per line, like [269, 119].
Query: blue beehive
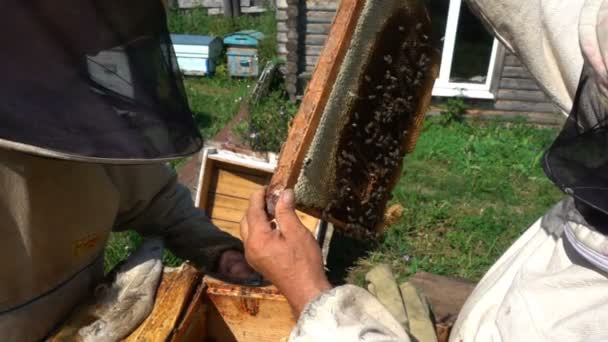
[196, 55]
[243, 59]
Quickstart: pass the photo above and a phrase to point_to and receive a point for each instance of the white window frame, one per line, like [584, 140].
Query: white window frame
[443, 86]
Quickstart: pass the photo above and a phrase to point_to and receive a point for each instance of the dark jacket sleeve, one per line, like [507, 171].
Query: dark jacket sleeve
[153, 203]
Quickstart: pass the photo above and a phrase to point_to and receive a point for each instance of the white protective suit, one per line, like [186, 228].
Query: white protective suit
[552, 284]
[56, 219]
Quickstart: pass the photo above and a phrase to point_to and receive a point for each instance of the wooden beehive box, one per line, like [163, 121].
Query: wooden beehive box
[196, 55]
[242, 53]
[226, 182]
[245, 314]
[189, 308]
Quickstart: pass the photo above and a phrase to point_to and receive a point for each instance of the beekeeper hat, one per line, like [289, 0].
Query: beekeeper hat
[92, 80]
[577, 161]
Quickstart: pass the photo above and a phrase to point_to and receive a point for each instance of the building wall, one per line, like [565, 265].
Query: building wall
[215, 6]
[518, 91]
[301, 43]
[314, 19]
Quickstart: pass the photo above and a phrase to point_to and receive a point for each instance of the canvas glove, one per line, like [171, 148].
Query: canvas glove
[404, 302]
[122, 302]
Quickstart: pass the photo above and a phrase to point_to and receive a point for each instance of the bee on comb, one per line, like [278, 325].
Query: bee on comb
[361, 114]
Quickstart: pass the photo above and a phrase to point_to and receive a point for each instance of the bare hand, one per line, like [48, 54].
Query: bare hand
[232, 265]
[288, 256]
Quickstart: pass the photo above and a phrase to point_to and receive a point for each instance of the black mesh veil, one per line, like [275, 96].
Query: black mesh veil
[92, 80]
[577, 161]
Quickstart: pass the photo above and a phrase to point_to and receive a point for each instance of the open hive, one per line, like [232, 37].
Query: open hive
[361, 114]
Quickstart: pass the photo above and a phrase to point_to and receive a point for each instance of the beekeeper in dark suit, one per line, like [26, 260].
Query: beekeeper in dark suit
[552, 283]
[92, 108]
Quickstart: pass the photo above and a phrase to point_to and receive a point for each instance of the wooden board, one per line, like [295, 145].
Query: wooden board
[522, 95]
[524, 106]
[318, 5]
[518, 83]
[310, 16]
[304, 125]
[193, 325]
[516, 72]
[512, 60]
[173, 297]
[309, 39]
[226, 187]
[313, 28]
[446, 296]
[236, 184]
[227, 208]
[251, 314]
[309, 50]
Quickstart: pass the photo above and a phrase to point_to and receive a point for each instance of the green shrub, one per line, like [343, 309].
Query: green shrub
[269, 122]
[453, 111]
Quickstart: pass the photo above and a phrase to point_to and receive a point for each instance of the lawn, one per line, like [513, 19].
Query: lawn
[469, 190]
[215, 100]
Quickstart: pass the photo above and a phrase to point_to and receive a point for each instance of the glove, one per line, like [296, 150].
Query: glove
[404, 302]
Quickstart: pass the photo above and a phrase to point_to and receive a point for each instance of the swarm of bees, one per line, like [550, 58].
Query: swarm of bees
[371, 145]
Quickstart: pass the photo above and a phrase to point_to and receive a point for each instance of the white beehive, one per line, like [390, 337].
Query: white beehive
[196, 55]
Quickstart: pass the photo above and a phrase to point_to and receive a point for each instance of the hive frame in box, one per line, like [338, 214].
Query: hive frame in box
[237, 313]
[213, 154]
[216, 160]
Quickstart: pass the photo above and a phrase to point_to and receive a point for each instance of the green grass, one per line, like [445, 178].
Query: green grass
[121, 244]
[469, 190]
[268, 125]
[215, 100]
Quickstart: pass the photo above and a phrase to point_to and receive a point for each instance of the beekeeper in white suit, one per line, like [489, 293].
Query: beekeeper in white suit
[91, 109]
[552, 284]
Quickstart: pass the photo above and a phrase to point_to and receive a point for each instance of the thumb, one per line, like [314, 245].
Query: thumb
[285, 213]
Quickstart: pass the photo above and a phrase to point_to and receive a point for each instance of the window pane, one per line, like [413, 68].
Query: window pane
[473, 49]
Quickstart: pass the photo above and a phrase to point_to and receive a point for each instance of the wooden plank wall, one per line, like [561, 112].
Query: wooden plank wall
[517, 92]
[214, 7]
[314, 19]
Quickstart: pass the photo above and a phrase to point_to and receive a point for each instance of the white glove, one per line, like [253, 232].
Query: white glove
[121, 306]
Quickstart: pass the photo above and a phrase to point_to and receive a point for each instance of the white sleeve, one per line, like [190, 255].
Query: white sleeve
[347, 313]
[545, 36]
